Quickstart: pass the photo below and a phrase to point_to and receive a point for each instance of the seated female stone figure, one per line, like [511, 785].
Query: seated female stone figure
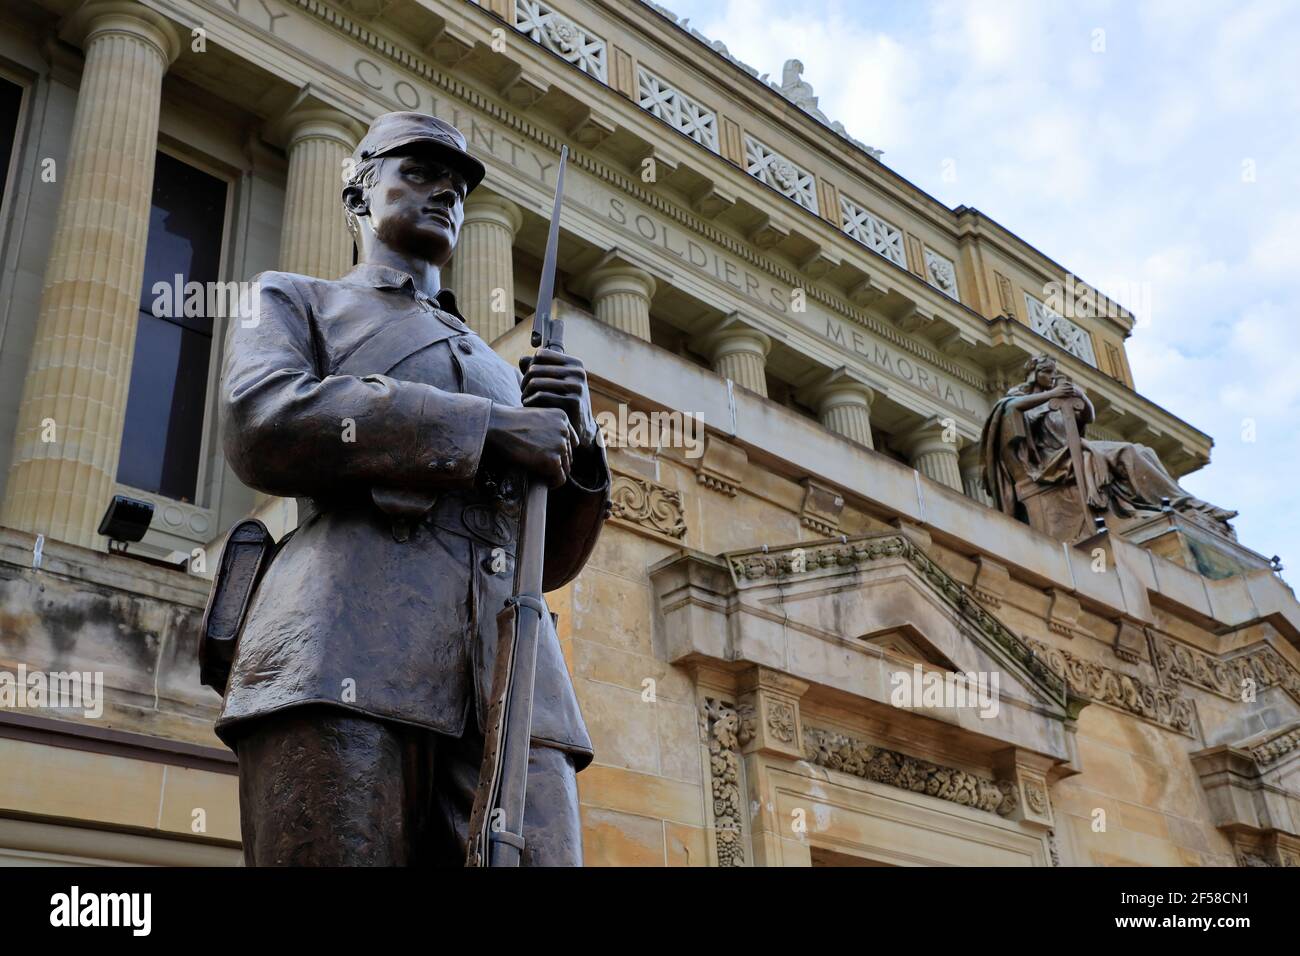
[1026, 453]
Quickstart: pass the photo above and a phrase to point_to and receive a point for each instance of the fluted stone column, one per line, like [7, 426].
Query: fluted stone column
[933, 455]
[314, 236]
[739, 352]
[484, 263]
[621, 296]
[843, 403]
[77, 379]
[972, 475]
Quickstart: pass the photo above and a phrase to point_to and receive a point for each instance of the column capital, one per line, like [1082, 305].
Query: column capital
[733, 334]
[935, 434]
[317, 113]
[620, 276]
[482, 206]
[98, 18]
[841, 386]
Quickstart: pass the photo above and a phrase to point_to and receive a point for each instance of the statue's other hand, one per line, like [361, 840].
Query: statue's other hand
[540, 440]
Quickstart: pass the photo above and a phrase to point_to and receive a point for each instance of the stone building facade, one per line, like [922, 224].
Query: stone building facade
[807, 537]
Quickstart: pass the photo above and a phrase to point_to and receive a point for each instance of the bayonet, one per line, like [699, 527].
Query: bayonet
[496, 828]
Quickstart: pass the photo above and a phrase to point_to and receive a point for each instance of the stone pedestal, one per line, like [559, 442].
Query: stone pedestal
[69, 430]
[483, 270]
[1184, 541]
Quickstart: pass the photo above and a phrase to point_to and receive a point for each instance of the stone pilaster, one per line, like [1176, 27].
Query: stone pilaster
[620, 294]
[69, 430]
[739, 352]
[932, 449]
[483, 268]
[843, 402]
[314, 237]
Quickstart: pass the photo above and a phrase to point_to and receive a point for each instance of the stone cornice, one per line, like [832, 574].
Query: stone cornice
[755, 565]
[831, 238]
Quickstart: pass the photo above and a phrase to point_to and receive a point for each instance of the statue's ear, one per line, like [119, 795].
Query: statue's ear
[354, 200]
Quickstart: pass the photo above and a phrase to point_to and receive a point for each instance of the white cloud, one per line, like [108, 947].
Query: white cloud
[1126, 166]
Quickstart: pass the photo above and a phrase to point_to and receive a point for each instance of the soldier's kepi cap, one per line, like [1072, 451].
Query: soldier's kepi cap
[390, 132]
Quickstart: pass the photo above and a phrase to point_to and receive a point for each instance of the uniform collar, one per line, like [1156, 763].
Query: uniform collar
[386, 277]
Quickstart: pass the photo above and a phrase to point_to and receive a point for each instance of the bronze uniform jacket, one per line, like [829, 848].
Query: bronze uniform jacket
[338, 388]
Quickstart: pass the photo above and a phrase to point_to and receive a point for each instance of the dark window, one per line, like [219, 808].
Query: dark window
[169, 374]
[11, 97]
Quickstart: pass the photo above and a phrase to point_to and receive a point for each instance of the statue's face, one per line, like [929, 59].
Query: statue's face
[1044, 373]
[416, 205]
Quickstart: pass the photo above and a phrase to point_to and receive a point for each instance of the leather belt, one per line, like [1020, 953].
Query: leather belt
[488, 514]
[489, 520]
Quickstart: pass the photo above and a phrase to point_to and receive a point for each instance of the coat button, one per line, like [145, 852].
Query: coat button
[465, 345]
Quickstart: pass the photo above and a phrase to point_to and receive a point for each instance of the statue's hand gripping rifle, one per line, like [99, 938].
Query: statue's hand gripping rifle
[496, 826]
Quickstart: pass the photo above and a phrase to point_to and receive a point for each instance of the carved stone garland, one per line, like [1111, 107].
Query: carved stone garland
[826, 748]
[723, 732]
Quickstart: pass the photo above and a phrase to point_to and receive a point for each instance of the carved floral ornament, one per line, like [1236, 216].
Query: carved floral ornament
[648, 504]
[836, 751]
[722, 729]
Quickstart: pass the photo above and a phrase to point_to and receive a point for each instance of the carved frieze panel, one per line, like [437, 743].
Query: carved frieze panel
[1106, 685]
[648, 505]
[559, 34]
[940, 272]
[1276, 747]
[872, 231]
[1060, 330]
[1232, 678]
[768, 166]
[836, 751]
[674, 107]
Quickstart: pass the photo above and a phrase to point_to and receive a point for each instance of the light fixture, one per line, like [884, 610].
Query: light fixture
[125, 522]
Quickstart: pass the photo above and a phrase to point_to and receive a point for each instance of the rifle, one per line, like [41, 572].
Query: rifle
[1069, 408]
[496, 825]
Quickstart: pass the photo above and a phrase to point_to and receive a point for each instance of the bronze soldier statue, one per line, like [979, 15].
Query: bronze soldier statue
[357, 694]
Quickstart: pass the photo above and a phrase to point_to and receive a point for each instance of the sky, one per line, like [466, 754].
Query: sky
[1152, 148]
